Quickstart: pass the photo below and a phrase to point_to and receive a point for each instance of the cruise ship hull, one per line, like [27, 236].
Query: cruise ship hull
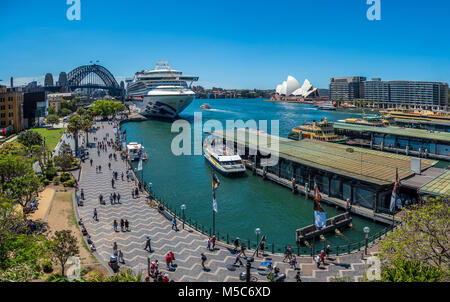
[163, 106]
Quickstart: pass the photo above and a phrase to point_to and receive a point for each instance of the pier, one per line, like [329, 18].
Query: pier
[364, 177]
[334, 223]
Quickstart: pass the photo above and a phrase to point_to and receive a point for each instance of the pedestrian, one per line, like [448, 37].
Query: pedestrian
[317, 259]
[322, 257]
[109, 166]
[297, 277]
[293, 262]
[115, 248]
[118, 197]
[261, 245]
[287, 254]
[172, 257]
[174, 224]
[127, 225]
[82, 194]
[100, 168]
[100, 198]
[95, 214]
[132, 193]
[122, 175]
[327, 251]
[208, 244]
[243, 248]
[168, 261]
[213, 242]
[120, 258]
[122, 224]
[238, 259]
[236, 244]
[136, 192]
[111, 198]
[148, 244]
[128, 177]
[91, 162]
[203, 260]
[96, 169]
[114, 197]
[115, 225]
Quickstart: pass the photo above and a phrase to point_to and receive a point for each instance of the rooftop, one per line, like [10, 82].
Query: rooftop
[398, 131]
[358, 163]
[439, 186]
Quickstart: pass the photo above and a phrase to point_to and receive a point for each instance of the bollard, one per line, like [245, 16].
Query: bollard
[273, 248]
[228, 239]
[337, 250]
[349, 248]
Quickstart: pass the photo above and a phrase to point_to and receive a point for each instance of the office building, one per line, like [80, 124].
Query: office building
[34, 108]
[347, 88]
[11, 108]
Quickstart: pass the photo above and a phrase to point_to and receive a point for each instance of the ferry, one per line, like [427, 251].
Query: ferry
[374, 121]
[222, 159]
[134, 150]
[327, 107]
[321, 131]
[417, 115]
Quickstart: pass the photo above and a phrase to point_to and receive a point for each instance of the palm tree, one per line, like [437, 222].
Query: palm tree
[87, 125]
[74, 126]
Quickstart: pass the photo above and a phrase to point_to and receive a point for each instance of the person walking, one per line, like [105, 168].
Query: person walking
[132, 193]
[327, 251]
[213, 242]
[127, 225]
[243, 248]
[148, 244]
[115, 248]
[203, 260]
[287, 254]
[111, 198]
[122, 224]
[236, 244]
[317, 259]
[168, 261]
[322, 257]
[114, 197]
[238, 259]
[121, 260]
[293, 262]
[136, 192]
[91, 162]
[112, 183]
[208, 244]
[174, 224]
[96, 169]
[115, 225]
[122, 175]
[118, 197]
[100, 198]
[95, 215]
[82, 194]
[99, 168]
[109, 165]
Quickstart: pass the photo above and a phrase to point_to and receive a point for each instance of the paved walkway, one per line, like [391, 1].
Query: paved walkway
[185, 244]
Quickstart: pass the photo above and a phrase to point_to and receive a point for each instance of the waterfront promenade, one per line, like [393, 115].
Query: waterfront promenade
[187, 244]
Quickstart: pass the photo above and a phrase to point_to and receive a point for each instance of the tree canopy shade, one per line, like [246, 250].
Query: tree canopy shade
[52, 119]
[106, 108]
[422, 236]
[30, 138]
[63, 246]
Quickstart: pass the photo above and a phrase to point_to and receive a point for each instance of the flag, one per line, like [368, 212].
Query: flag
[320, 217]
[215, 185]
[394, 192]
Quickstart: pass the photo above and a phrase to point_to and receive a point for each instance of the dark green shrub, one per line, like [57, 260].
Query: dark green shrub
[50, 173]
[64, 177]
[69, 183]
[47, 266]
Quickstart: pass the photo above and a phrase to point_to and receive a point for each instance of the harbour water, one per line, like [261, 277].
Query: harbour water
[244, 203]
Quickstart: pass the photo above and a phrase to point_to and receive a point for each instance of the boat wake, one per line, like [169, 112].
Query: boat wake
[219, 110]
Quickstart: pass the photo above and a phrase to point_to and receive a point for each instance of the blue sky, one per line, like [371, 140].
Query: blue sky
[232, 44]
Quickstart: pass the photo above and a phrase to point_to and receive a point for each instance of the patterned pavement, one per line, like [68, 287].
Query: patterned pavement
[187, 245]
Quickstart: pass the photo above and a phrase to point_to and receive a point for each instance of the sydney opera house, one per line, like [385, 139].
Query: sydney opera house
[291, 91]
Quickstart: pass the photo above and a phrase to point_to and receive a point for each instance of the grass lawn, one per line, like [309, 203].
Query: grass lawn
[52, 136]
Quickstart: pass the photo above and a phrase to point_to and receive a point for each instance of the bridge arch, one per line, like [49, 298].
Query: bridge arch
[107, 81]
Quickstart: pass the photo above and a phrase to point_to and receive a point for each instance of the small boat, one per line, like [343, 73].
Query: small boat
[222, 159]
[205, 106]
[135, 150]
[327, 107]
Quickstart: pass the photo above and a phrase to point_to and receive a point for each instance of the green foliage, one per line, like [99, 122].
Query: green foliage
[30, 138]
[47, 266]
[70, 105]
[402, 270]
[50, 173]
[340, 279]
[422, 236]
[65, 176]
[65, 149]
[13, 166]
[52, 119]
[74, 126]
[19, 273]
[22, 189]
[124, 276]
[51, 110]
[63, 246]
[65, 112]
[69, 183]
[12, 148]
[63, 161]
[106, 108]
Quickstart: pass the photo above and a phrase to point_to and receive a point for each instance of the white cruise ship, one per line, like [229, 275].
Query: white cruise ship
[161, 92]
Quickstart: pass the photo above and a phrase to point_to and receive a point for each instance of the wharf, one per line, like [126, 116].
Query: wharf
[334, 223]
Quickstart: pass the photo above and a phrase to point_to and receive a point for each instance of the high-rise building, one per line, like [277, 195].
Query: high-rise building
[347, 88]
[48, 80]
[62, 81]
[11, 108]
[34, 108]
[376, 91]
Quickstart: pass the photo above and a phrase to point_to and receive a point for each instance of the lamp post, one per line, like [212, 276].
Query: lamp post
[366, 232]
[257, 232]
[183, 207]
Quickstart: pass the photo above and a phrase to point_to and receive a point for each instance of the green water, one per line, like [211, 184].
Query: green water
[244, 203]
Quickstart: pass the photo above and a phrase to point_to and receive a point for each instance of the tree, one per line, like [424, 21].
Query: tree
[13, 166]
[30, 138]
[86, 126]
[65, 149]
[51, 110]
[63, 161]
[81, 111]
[106, 108]
[13, 148]
[63, 246]
[65, 112]
[402, 270]
[52, 119]
[422, 236]
[23, 189]
[74, 126]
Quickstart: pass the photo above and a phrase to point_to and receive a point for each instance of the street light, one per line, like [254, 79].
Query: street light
[366, 232]
[183, 207]
[257, 232]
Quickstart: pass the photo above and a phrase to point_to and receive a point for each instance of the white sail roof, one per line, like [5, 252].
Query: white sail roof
[292, 87]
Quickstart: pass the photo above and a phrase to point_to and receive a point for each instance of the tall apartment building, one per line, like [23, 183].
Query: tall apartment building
[347, 88]
[11, 109]
[411, 94]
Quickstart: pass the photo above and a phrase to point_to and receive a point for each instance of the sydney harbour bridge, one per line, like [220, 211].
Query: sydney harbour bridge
[92, 76]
